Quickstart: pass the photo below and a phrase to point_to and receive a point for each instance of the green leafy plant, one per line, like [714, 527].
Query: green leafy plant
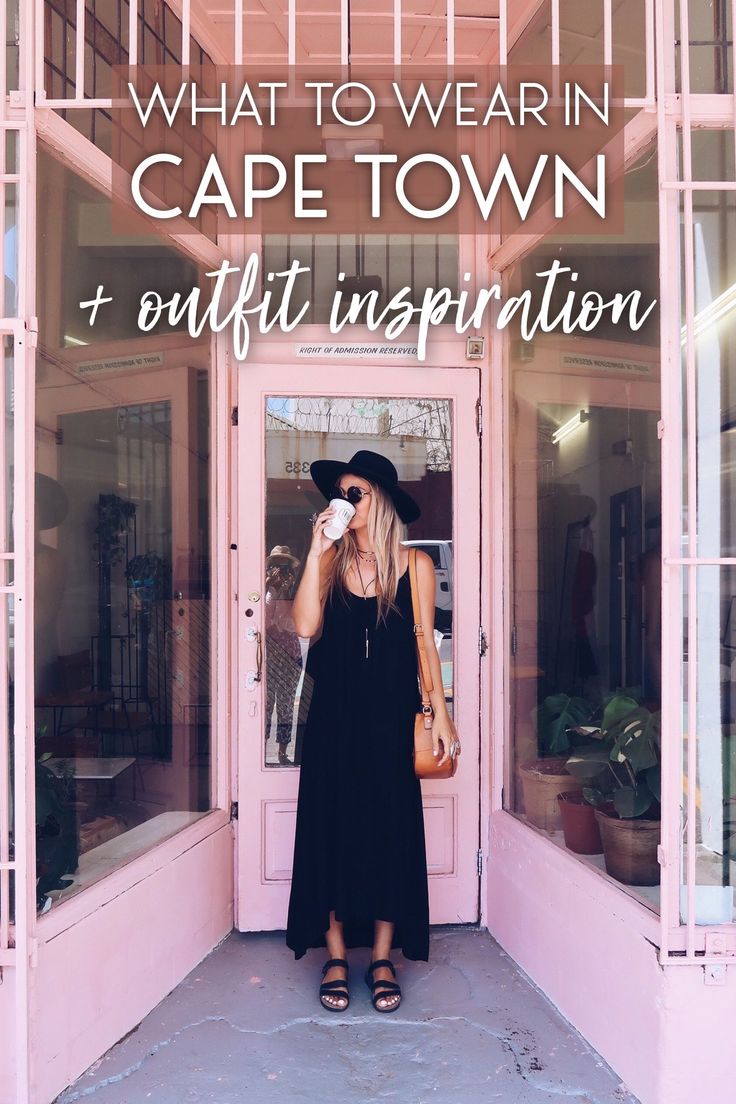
[621, 763]
[555, 718]
[57, 829]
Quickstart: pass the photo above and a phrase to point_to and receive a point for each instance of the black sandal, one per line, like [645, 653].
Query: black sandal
[388, 988]
[336, 988]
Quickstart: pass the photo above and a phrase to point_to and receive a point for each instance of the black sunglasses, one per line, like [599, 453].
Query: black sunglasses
[353, 494]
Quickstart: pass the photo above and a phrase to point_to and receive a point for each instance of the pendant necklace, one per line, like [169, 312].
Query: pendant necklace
[364, 588]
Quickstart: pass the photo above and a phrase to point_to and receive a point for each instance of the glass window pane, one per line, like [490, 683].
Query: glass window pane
[10, 248]
[415, 434]
[711, 47]
[714, 238]
[714, 830]
[7, 650]
[122, 641]
[12, 49]
[586, 561]
[11, 151]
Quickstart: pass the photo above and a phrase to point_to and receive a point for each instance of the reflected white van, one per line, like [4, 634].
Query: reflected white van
[441, 553]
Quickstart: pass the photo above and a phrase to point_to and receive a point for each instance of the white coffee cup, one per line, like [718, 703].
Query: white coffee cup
[337, 525]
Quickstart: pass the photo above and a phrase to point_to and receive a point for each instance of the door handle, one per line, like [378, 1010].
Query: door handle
[253, 677]
[259, 656]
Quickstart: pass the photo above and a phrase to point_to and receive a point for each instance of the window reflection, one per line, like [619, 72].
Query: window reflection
[283, 650]
[122, 610]
[709, 606]
[416, 435]
[587, 558]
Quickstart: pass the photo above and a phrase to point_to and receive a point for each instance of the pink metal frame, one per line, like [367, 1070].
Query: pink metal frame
[681, 115]
[16, 552]
[662, 114]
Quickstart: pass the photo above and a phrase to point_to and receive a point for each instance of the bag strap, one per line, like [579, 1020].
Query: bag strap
[425, 677]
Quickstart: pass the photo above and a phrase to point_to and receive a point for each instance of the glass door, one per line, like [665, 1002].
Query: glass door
[423, 420]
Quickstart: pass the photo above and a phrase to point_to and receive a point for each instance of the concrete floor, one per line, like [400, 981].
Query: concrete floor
[246, 1025]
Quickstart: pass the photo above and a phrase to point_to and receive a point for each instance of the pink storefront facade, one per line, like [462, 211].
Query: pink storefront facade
[577, 497]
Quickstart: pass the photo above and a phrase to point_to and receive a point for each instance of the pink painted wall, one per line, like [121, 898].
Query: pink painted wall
[593, 952]
[698, 1058]
[7, 1035]
[97, 979]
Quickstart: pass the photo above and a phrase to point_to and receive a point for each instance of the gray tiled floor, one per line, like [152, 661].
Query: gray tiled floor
[246, 1025]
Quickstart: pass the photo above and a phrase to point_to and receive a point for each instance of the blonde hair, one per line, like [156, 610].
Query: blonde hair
[385, 533]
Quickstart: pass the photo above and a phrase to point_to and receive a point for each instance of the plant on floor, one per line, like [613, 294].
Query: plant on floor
[622, 763]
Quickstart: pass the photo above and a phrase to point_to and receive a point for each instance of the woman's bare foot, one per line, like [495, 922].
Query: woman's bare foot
[335, 943]
[336, 999]
[385, 999]
[383, 938]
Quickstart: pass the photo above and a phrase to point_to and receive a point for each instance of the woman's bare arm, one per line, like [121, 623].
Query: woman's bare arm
[442, 728]
[309, 599]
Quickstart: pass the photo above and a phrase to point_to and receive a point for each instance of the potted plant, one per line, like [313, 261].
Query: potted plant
[542, 779]
[579, 823]
[57, 828]
[587, 764]
[621, 781]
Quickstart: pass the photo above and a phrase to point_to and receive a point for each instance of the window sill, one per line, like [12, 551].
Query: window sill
[134, 869]
[639, 910]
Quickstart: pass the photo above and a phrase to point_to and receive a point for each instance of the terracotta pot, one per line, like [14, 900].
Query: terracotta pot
[542, 780]
[579, 825]
[629, 847]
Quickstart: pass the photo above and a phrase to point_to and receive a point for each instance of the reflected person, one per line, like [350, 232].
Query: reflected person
[283, 650]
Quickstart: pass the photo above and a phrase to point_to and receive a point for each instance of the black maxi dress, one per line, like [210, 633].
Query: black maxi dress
[359, 849]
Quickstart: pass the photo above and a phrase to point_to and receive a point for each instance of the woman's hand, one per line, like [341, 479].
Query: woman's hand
[442, 727]
[320, 543]
[443, 730]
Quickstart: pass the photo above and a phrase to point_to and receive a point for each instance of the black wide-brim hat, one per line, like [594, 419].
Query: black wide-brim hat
[373, 467]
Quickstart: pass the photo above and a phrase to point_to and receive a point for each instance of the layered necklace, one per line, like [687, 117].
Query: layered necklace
[369, 558]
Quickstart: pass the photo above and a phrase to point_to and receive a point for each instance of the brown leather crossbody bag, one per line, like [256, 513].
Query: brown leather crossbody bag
[425, 763]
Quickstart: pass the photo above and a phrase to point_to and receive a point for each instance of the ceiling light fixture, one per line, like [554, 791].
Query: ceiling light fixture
[569, 427]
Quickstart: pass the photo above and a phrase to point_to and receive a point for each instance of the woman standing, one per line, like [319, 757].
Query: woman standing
[360, 870]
